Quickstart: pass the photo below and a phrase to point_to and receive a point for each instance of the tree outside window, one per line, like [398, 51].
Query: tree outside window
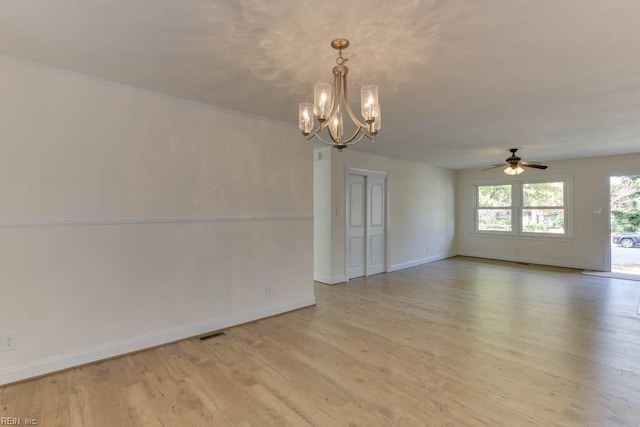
[494, 208]
[543, 207]
[625, 203]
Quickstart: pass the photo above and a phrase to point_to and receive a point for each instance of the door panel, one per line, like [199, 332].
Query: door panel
[356, 249]
[356, 229]
[375, 224]
[356, 205]
[376, 252]
[377, 204]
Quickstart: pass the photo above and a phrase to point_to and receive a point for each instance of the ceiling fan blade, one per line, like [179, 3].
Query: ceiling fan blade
[515, 162]
[494, 166]
[531, 165]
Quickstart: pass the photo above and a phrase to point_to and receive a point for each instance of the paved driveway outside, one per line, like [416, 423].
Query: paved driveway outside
[625, 260]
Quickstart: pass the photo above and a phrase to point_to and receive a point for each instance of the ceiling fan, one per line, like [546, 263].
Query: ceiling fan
[514, 164]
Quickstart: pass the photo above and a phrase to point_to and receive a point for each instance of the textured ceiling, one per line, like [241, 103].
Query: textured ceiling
[461, 81]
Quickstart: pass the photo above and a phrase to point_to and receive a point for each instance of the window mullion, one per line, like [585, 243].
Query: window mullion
[516, 190]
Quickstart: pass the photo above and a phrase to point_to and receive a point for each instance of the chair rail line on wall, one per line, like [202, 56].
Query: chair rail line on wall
[149, 220]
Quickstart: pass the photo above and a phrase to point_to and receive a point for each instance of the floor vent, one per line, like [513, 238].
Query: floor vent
[208, 337]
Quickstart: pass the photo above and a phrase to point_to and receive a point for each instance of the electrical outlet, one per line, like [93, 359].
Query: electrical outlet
[267, 292]
[8, 342]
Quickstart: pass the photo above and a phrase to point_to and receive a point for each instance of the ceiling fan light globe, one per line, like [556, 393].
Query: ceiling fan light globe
[513, 170]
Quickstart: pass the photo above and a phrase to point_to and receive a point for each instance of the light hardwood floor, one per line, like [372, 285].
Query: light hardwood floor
[459, 342]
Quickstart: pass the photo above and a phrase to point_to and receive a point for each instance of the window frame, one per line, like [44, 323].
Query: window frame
[477, 207]
[517, 199]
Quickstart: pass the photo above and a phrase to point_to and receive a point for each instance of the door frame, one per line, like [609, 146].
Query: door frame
[607, 210]
[365, 172]
[608, 261]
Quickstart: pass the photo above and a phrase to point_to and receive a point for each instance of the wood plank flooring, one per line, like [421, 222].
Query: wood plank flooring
[459, 342]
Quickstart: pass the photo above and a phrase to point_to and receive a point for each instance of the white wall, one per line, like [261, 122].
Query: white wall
[421, 210]
[131, 219]
[588, 249]
[322, 214]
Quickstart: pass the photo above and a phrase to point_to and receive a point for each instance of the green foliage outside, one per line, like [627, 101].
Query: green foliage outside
[543, 221]
[494, 196]
[550, 194]
[494, 219]
[625, 203]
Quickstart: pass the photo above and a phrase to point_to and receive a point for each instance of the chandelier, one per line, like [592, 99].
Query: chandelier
[329, 108]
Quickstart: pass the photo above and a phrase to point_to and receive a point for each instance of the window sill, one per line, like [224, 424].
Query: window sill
[524, 236]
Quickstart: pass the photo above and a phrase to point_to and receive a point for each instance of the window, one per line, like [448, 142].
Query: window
[543, 207]
[494, 208]
[521, 208]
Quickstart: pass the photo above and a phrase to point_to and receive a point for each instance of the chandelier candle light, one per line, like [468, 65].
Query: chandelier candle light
[328, 108]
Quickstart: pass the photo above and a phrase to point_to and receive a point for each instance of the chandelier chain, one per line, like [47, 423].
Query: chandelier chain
[340, 60]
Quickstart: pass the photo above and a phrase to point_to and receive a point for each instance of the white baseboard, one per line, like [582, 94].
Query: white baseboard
[66, 361]
[539, 261]
[328, 280]
[420, 261]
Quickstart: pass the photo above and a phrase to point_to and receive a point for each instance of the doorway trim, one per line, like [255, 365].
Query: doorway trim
[608, 261]
[365, 172]
[607, 212]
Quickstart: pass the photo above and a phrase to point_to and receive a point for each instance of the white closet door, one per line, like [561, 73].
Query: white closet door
[356, 226]
[375, 233]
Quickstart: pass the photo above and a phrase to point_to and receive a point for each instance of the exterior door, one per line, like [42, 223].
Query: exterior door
[624, 199]
[356, 229]
[375, 233]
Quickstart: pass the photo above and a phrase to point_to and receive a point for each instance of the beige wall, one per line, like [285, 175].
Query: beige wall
[131, 219]
[322, 214]
[587, 249]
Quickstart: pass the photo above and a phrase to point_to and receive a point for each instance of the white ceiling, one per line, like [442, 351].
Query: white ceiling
[461, 81]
